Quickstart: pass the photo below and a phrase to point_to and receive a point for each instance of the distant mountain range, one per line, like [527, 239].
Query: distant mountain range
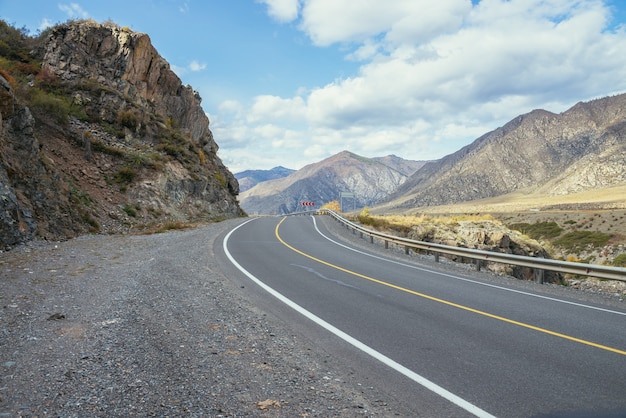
[583, 148]
[371, 180]
[250, 178]
[547, 154]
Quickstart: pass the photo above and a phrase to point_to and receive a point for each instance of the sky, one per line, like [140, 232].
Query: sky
[291, 82]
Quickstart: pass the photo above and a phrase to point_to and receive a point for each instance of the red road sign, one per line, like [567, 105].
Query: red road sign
[307, 203]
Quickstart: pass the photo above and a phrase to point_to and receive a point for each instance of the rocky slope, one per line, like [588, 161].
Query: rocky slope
[555, 154]
[249, 178]
[98, 134]
[370, 181]
[406, 167]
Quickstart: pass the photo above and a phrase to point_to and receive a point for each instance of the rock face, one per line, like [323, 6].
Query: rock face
[14, 222]
[128, 64]
[485, 235]
[581, 149]
[32, 197]
[104, 138]
[369, 180]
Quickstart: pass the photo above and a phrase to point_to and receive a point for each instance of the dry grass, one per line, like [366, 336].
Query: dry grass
[599, 213]
[610, 198]
[407, 221]
[602, 210]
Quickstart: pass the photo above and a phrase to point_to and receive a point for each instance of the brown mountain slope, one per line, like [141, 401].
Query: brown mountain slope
[322, 182]
[553, 154]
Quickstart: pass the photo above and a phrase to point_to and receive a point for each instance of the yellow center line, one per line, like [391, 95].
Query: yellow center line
[446, 302]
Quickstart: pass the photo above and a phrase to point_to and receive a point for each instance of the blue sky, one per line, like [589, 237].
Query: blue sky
[291, 82]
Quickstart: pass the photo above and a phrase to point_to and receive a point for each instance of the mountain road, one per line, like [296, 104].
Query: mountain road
[445, 342]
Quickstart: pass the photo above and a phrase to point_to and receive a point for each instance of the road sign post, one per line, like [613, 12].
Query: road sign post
[347, 195]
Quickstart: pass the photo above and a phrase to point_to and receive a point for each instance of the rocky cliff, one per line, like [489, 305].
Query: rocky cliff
[99, 135]
[581, 149]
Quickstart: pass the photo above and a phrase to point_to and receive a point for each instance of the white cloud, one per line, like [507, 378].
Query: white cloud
[196, 66]
[45, 24]
[267, 107]
[74, 10]
[232, 107]
[435, 76]
[399, 21]
[193, 66]
[282, 10]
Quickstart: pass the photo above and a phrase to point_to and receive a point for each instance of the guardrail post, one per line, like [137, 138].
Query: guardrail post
[386, 245]
[539, 275]
[361, 234]
[406, 249]
[371, 239]
[478, 264]
[436, 257]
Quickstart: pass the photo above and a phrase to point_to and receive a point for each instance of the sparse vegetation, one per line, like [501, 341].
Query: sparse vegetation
[620, 261]
[130, 210]
[125, 176]
[82, 204]
[169, 226]
[538, 230]
[50, 104]
[128, 118]
[79, 196]
[405, 222]
[201, 156]
[577, 241]
[94, 225]
[220, 179]
[335, 206]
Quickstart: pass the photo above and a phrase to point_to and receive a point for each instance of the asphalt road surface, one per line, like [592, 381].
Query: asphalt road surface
[449, 343]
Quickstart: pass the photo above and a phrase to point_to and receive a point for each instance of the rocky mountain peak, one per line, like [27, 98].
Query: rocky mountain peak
[126, 62]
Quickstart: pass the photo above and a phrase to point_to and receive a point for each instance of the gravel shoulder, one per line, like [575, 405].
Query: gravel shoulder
[147, 325]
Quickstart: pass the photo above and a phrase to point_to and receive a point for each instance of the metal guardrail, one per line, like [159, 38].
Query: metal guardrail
[479, 256]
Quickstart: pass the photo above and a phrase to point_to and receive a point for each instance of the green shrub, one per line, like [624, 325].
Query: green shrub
[220, 179]
[579, 240]
[106, 149]
[14, 42]
[79, 196]
[173, 150]
[539, 230]
[130, 210]
[125, 175]
[51, 104]
[128, 118]
[620, 261]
